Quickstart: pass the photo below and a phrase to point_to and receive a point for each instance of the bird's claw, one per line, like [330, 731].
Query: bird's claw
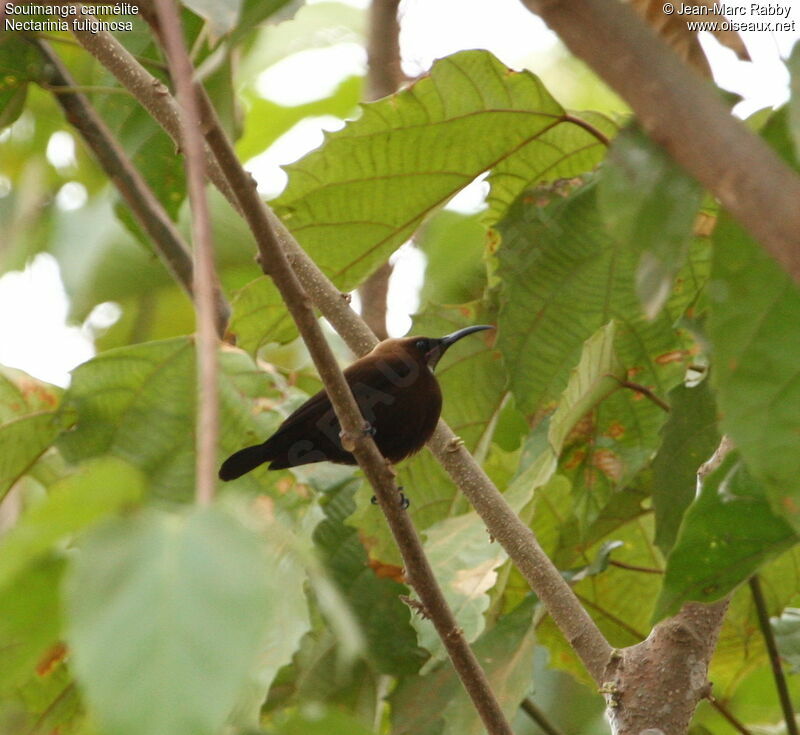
[368, 429]
[404, 501]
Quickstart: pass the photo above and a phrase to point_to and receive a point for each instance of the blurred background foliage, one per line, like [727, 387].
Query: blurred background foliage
[279, 610]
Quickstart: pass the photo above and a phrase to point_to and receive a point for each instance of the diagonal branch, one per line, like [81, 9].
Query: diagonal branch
[503, 524]
[680, 111]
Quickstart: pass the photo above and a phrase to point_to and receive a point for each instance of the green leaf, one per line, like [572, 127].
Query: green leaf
[20, 63]
[649, 204]
[690, 437]
[138, 403]
[260, 316]
[94, 491]
[191, 596]
[375, 601]
[754, 330]
[453, 244]
[356, 199]
[506, 654]
[727, 533]
[30, 621]
[590, 382]
[30, 421]
[564, 278]
[266, 121]
[316, 719]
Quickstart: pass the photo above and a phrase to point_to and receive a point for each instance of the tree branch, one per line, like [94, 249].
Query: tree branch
[656, 684]
[148, 211]
[503, 524]
[383, 78]
[204, 273]
[681, 112]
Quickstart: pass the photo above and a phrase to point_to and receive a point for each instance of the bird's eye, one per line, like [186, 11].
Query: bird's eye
[421, 345]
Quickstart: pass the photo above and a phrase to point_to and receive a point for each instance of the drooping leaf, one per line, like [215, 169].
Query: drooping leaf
[689, 439]
[727, 533]
[754, 330]
[139, 403]
[370, 185]
[194, 600]
[650, 205]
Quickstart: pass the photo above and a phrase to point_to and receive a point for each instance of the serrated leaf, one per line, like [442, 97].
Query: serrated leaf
[649, 204]
[370, 185]
[193, 599]
[138, 403]
[563, 278]
[95, 490]
[690, 437]
[727, 533]
[754, 330]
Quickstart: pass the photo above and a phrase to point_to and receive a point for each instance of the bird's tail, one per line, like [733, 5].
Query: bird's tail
[243, 461]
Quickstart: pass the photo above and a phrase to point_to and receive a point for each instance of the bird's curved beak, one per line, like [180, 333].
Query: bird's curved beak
[434, 355]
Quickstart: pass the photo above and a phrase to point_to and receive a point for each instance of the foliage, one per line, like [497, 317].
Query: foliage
[125, 609]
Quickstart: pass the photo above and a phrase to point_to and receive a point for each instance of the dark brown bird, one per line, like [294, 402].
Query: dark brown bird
[397, 393]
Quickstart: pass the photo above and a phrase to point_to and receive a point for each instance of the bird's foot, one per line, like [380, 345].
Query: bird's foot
[368, 429]
[404, 501]
[454, 444]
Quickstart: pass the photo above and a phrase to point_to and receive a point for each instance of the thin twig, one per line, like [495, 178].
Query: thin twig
[148, 211]
[683, 113]
[529, 707]
[503, 524]
[204, 273]
[726, 713]
[774, 656]
[642, 390]
[634, 567]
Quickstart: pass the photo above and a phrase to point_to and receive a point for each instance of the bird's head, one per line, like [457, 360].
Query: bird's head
[426, 350]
